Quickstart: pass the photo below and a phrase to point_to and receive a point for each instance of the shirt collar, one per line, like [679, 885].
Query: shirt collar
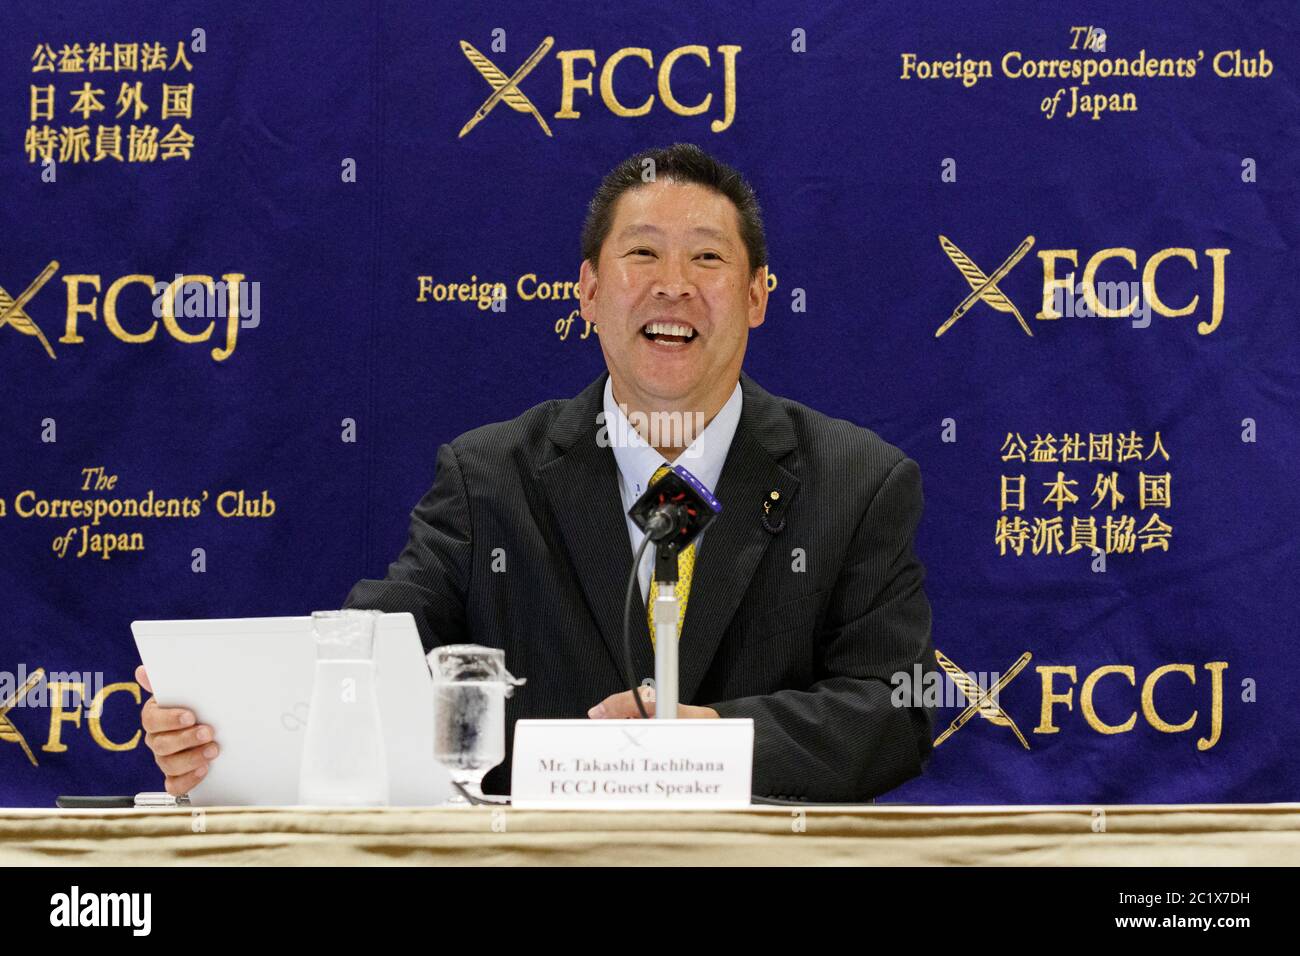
[703, 458]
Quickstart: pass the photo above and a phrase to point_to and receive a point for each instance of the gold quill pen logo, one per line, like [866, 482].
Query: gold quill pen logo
[503, 87]
[981, 701]
[11, 309]
[10, 733]
[983, 287]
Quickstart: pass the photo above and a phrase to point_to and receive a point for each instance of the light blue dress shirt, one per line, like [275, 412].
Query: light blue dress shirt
[638, 461]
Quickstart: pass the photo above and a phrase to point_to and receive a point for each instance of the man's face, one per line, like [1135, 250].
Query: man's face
[673, 298]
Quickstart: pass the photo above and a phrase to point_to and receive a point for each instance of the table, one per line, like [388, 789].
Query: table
[879, 835]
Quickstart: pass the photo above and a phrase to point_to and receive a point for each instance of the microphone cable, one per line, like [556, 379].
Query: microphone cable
[632, 582]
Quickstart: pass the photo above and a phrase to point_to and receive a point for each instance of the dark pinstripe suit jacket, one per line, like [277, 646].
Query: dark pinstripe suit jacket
[800, 629]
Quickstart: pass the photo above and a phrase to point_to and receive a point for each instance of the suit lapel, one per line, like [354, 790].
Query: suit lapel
[736, 540]
[582, 486]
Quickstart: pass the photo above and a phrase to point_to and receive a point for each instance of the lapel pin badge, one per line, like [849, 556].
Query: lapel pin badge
[772, 498]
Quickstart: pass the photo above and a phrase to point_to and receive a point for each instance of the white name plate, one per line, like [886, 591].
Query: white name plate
[632, 764]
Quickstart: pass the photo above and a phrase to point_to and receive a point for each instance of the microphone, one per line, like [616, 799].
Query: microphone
[674, 509]
[672, 513]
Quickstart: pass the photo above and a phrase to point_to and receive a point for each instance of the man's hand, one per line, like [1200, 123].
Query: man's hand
[181, 747]
[622, 705]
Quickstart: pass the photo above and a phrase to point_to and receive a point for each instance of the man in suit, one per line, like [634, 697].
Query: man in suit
[801, 601]
[805, 597]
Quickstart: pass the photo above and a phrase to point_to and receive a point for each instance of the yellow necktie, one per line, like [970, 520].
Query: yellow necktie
[685, 565]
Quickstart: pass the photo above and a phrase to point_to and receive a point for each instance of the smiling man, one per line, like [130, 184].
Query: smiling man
[800, 603]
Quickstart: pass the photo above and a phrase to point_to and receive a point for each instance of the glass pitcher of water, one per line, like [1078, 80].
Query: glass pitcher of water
[343, 758]
[470, 684]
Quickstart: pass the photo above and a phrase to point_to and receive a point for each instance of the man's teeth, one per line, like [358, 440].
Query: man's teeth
[670, 328]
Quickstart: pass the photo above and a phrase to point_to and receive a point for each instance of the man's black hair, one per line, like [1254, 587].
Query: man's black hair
[682, 163]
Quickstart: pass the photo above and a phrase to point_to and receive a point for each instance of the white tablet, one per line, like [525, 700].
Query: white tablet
[251, 680]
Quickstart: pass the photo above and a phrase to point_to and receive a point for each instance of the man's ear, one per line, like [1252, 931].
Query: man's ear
[758, 298]
[587, 290]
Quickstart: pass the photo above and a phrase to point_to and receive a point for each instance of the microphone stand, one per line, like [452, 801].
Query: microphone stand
[666, 637]
[672, 512]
